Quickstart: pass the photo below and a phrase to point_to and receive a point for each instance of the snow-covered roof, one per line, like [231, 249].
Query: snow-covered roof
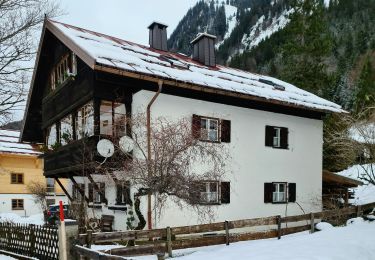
[107, 51]
[9, 143]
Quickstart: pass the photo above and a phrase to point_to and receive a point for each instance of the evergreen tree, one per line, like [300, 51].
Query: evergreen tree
[365, 96]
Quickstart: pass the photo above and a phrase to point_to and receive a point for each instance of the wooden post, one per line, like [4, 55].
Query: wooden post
[278, 218]
[89, 238]
[169, 241]
[226, 224]
[312, 223]
[32, 239]
[359, 213]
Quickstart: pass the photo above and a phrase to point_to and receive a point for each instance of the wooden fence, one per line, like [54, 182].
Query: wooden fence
[161, 241]
[30, 240]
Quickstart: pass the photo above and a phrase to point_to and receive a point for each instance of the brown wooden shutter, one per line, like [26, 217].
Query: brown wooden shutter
[269, 135]
[196, 127]
[284, 137]
[91, 192]
[102, 194]
[225, 192]
[118, 193]
[292, 192]
[225, 131]
[268, 192]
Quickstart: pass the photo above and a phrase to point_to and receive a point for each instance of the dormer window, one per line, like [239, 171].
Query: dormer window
[63, 70]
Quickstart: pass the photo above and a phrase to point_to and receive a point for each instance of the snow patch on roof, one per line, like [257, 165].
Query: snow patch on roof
[124, 55]
[9, 143]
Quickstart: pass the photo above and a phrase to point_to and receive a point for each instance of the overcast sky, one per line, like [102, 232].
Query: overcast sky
[126, 19]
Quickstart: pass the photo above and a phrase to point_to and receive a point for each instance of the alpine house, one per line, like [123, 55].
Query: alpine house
[276, 129]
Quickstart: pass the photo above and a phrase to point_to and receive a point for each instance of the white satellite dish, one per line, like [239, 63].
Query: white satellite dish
[105, 148]
[126, 144]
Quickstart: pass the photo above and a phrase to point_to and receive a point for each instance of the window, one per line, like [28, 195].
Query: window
[123, 193]
[277, 137]
[97, 196]
[77, 196]
[211, 129]
[17, 204]
[66, 130]
[66, 68]
[50, 185]
[279, 192]
[85, 121]
[51, 136]
[16, 178]
[112, 118]
[209, 192]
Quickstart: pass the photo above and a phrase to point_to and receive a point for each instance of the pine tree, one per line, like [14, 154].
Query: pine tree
[365, 96]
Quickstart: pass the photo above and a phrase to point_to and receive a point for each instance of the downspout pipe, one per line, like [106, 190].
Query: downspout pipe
[149, 209]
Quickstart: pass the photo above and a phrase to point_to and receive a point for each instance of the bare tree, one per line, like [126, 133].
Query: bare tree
[352, 138]
[19, 20]
[178, 166]
[39, 193]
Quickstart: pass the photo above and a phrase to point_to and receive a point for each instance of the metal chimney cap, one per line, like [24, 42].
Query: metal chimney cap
[201, 35]
[163, 25]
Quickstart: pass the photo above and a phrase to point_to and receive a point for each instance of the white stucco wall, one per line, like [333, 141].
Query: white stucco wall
[30, 207]
[252, 163]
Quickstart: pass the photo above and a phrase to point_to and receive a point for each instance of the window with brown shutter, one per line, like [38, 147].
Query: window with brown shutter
[123, 193]
[279, 192]
[225, 192]
[276, 137]
[211, 129]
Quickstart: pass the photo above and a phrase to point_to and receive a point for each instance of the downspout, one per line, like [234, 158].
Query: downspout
[149, 210]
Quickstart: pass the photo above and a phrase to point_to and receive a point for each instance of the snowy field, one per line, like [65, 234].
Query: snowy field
[354, 241]
[4, 257]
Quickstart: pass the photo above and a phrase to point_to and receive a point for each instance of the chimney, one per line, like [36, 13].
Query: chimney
[204, 49]
[158, 36]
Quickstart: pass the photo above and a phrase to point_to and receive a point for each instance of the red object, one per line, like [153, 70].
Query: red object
[49, 213]
[61, 211]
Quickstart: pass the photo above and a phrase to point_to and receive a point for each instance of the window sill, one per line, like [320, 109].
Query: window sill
[118, 207]
[18, 209]
[209, 141]
[95, 205]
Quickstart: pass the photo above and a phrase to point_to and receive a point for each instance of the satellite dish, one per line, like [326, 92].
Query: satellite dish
[126, 144]
[105, 148]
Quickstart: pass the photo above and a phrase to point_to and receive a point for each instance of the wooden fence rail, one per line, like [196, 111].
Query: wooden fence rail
[164, 240]
[30, 240]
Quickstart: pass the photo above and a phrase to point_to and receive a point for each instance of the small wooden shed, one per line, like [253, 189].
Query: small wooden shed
[336, 189]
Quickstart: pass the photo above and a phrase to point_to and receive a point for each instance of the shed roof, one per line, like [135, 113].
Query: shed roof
[332, 178]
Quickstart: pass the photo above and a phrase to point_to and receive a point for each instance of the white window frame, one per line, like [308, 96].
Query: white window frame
[276, 141]
[205, 132]
[208, 196]
[279, 196]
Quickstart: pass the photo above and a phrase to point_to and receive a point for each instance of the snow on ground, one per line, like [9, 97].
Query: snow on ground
[355, 241]
[362, 194]
[14, 218]
[4, 257]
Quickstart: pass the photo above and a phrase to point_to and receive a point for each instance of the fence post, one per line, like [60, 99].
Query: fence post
[169, 241]
[226, 224]
[89, 238]
[312, 223]
[278, 219]
[71, 230]
[160, 256]
[359, 213]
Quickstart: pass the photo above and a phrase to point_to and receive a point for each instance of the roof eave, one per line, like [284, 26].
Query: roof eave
[147, 77]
